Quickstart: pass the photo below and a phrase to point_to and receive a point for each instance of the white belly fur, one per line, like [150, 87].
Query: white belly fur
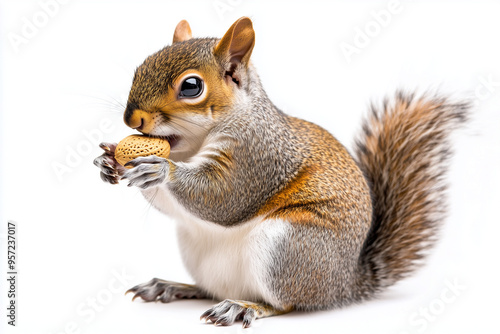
[227, 262]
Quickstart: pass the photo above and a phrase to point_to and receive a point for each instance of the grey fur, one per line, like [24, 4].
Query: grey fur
[264, 157]
[314, 269]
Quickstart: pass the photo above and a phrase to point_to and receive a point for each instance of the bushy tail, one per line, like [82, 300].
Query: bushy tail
[403, 151]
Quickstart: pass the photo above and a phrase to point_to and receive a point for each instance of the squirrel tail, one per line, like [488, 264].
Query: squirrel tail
[403, 151]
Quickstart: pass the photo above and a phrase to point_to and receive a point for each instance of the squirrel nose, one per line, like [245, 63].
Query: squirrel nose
[137, 119]
[136, 123]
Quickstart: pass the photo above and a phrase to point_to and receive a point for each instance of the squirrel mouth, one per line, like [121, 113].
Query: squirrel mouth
[173, 140]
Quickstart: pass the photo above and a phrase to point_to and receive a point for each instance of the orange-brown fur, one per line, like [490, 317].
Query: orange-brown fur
[318, 195]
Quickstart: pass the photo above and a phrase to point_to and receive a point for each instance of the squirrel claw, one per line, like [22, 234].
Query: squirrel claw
[111, 170]
[104, 147]
[108, 147]
[147, 171]
[228, 311]
[164, 291]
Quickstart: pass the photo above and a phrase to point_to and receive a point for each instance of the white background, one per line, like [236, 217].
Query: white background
[75, 232]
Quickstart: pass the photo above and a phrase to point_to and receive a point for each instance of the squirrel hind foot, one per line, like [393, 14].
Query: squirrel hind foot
[228, 311]
[165, 291]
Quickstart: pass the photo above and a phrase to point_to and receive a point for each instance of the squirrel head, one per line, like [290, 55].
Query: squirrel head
[180, 91]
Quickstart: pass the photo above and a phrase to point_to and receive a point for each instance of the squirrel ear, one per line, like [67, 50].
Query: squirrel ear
[182, 32]
[238, 42]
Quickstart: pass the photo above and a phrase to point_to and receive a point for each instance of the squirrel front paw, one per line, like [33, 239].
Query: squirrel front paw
[147, 171]
[111, 170]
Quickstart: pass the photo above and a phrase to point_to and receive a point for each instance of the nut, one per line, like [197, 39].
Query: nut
[136, 146]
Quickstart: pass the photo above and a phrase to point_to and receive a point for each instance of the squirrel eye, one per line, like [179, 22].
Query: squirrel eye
[191, 87]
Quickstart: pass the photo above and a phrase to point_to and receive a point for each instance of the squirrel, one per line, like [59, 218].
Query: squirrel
[274, 214]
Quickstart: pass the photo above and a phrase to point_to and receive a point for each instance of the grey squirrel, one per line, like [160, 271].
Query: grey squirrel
[273, 213]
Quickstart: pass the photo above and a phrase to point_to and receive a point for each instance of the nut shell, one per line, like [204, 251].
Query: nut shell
[136, 146]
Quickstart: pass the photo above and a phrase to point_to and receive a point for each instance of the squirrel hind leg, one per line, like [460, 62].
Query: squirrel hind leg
[165, 291]
[228, 311]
